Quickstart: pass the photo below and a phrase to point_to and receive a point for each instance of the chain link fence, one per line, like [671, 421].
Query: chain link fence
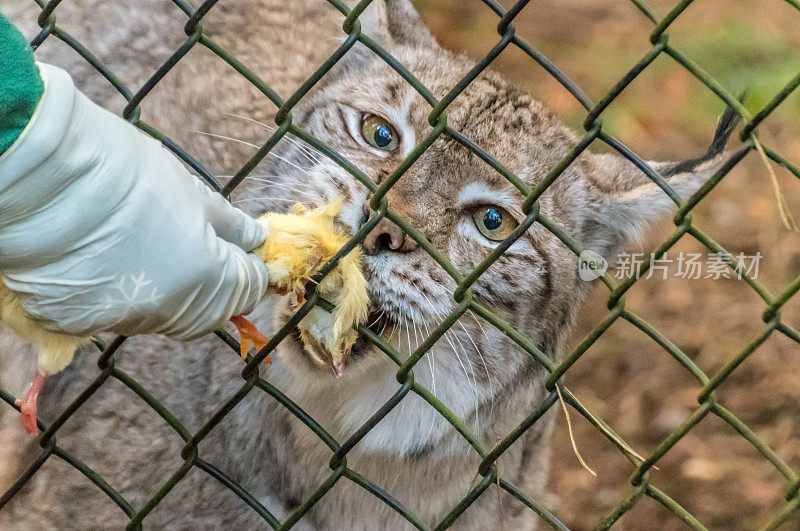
[487, 473]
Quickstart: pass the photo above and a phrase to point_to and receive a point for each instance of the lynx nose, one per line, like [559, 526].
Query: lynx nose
[386, 236]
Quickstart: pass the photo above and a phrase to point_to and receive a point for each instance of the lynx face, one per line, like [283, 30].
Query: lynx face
[370, 115]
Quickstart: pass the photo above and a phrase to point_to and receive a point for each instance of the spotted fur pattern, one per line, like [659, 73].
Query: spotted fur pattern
[475, 370]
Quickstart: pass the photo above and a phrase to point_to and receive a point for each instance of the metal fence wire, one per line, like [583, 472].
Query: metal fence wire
[487, 472]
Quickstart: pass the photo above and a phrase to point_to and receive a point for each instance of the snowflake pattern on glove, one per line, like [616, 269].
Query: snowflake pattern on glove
[129, 294]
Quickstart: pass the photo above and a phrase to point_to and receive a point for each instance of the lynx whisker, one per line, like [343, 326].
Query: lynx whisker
[431, 359]
[230, 139]
[292, 164]
[400, 322]
[378, 318]
[429, 356]
[304, 193]
[408, 338]
[483, 333]
[270, 182]
[254, 146]
[463, 369]
[413, 326]
[304, 149]
[264, 198]
[477, 350]
[476, 422]
[444, 295]
[432, 366]
[483, 330]
[473, 383]
[485, 367]
[276, 182]
[417, 337]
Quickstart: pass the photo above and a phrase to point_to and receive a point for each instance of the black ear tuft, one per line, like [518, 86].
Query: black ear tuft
[727, 123]
[626, 201]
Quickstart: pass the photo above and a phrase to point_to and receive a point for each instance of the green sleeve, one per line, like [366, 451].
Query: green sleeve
[20, 84]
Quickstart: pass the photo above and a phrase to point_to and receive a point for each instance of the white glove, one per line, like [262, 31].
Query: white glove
[102, 229]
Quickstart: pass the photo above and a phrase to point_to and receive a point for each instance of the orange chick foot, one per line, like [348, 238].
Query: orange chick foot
[249, 336]
[27, 405]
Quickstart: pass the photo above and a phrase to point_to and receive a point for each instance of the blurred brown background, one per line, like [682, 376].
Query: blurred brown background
[625, 377]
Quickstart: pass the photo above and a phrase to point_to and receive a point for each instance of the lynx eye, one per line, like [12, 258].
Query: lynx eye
[494, 222]
[379, 133]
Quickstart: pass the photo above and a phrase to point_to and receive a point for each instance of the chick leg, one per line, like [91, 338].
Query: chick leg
[27, 405]
[249, 335]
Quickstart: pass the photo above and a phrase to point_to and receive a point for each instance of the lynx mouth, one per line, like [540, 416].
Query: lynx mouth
[379, 322]
[321, 354]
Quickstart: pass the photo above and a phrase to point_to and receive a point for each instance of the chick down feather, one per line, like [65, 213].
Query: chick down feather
[55, 350]
[297, 247]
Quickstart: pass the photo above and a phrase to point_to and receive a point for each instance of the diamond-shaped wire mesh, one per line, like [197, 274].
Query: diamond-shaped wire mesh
[487, 473]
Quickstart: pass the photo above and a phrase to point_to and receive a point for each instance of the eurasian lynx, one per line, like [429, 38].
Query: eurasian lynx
[366, 112]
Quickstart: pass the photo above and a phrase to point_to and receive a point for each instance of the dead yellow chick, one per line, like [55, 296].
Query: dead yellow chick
[55, 350]
[298, 245]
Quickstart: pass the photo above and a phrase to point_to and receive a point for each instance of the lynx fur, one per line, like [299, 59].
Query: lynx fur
[476, 371]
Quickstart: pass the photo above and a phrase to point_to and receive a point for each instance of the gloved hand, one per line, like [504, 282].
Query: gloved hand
[102, 229]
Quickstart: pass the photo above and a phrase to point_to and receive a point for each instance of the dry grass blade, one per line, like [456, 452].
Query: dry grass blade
[596, 422]
[571, 435]
[499, 495]
[783, 208]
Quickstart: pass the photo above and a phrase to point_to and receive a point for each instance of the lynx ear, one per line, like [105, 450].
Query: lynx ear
[374, 20]
[390, 23]
[395, 21]
[623, 201]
